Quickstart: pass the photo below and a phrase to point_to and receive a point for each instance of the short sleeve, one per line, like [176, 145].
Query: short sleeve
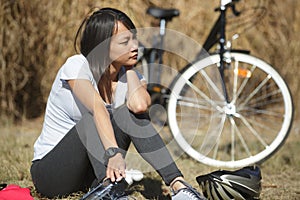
[76, 67]
[140, 76]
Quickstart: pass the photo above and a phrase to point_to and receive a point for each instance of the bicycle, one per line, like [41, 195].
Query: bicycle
[227, 108]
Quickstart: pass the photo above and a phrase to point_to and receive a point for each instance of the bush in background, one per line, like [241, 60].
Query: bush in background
[37, 36]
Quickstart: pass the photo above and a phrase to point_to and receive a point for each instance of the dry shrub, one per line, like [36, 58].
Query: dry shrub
[23, 43]
[36, 38]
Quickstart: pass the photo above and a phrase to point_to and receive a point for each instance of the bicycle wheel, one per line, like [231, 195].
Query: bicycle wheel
[244, 131]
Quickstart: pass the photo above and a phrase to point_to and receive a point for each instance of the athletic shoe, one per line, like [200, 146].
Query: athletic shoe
[188, 193]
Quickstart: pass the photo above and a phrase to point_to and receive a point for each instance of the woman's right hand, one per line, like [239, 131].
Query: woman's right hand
[116, 168]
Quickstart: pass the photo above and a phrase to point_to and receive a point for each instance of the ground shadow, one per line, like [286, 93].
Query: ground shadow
[150, 189]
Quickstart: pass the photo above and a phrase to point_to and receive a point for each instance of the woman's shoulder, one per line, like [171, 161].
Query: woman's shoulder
[76, 66]
[77, 58]
[76, 62]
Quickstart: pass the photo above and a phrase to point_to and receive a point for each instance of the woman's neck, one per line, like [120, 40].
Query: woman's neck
[108, 82]
[114, 71]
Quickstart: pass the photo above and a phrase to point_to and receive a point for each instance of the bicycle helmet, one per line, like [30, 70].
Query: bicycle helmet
[244, 184]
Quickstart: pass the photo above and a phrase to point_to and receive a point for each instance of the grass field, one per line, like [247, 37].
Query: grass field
[280, 173]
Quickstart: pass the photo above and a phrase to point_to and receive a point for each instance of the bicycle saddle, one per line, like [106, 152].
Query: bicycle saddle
[162, 13]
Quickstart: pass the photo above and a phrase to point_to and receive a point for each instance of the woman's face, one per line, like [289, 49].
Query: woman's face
[123, 47]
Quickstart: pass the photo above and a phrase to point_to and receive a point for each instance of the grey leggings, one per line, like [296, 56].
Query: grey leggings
[76, 162]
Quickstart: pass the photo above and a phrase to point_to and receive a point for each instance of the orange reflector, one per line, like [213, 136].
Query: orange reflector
[156, 89]
[243, 73]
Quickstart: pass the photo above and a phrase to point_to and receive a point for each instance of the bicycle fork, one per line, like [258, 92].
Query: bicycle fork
[222, 52]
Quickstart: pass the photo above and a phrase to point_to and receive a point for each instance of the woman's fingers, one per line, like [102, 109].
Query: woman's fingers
[115, 174]
[116, 168]
[118, 175]
[122, 173]
[110, 174]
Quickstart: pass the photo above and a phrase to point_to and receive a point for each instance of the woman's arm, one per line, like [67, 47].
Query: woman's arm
[138, 98]
[90, 98]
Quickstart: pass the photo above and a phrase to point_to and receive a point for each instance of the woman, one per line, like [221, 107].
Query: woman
[88, 125]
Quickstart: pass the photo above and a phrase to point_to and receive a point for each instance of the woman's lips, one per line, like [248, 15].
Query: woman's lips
[134, 56]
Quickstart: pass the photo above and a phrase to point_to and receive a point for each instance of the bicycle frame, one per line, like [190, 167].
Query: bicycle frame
[216, 36]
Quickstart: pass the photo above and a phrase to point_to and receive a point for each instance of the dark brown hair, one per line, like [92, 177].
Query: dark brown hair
[95, 34]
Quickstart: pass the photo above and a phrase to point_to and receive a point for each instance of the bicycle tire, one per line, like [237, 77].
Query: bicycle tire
[247, 130]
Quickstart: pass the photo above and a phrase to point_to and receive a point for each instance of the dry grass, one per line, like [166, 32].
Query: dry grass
[280, 173]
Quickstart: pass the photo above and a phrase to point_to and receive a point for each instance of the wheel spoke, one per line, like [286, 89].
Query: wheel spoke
[192, 115]
[232, 127]
[253, 131]
[243, 84]
[216, 149]
[204, 96]
[212, 138]
[192, 102]
[261, 111]
[255, 90]
[235, 129]
[267, 99]
[262, 125]
[213, 85]
[235, 80]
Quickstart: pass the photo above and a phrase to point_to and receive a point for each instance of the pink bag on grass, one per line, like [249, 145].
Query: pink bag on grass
[15, 192]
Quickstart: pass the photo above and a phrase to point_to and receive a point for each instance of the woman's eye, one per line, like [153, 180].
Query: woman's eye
[124, 42]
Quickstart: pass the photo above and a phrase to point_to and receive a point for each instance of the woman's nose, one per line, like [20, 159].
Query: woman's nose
[134, 45]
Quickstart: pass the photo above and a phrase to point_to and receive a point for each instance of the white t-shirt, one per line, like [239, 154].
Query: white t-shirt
[63, 109]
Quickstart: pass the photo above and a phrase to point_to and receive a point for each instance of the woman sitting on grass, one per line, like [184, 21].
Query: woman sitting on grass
[85, 136]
